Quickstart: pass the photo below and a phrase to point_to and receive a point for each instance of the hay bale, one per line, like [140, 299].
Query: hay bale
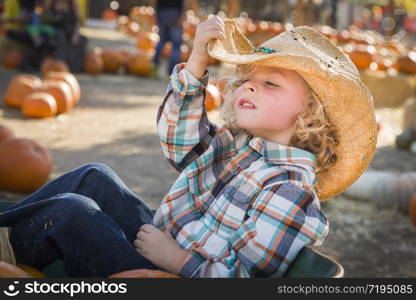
[388, 90]
[409, 118]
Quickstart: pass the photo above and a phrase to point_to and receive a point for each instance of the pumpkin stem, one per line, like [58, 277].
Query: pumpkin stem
[6, 250]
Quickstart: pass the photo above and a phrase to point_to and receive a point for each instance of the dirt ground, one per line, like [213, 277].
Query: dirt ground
[115, 124]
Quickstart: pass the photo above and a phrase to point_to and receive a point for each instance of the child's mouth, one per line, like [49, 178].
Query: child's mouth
[246, 104]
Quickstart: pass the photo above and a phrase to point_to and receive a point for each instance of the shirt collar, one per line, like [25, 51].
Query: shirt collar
[280, 154]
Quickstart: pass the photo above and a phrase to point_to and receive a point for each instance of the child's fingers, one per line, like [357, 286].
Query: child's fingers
[137, 244]
[214, 31]
[216, 18]
[214, 22]
[215, 27]
[141, 235]
[146, 228]
[218, 24]
[214, 34]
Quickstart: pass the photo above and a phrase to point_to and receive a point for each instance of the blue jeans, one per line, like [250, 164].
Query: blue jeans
[87, 217]
[169, 30]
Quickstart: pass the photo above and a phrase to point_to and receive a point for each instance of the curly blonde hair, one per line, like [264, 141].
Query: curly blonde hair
[314, 132]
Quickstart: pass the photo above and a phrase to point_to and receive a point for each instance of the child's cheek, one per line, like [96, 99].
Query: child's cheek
[236, 95]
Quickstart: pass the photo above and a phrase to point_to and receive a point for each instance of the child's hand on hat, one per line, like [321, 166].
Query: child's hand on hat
[160, 248]
[213, 28]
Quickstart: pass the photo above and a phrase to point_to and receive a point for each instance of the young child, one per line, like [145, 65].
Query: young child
[246, 203]
[299, 128]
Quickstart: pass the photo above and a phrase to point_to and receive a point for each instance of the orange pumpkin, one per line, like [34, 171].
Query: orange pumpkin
[10, 271]
[384, 63]
[113, 60]
[25, 166]
[109, 14]
[144, 273]
[344, 37]
[412, 209]
[396, 46]
[277, 28]
[52, 65]
[62, 93]
[139, 63]
[132, 28]
[189, 28]
[167, 49]
[34, 273]
[185, 52]
[39, 105]
[94, 63]
[12, 59]
[212, 97]
[19, 88]
[147, 40]
[71, 80]
[5, 133]
[407, 63]
[122, 22]
[361, 59]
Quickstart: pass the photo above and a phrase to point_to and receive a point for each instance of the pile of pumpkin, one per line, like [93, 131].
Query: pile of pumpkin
[118, 61]
[366, 48]
[138, 63]
[12, 59]
[141, 24]
[57, 93]
[24, 165]
[370, 50]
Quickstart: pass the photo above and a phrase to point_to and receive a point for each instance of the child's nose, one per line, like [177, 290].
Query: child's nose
[251, 86]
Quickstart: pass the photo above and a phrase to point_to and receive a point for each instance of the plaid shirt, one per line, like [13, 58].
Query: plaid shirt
[242, 206]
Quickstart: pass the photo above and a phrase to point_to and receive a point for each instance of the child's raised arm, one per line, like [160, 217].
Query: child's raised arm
[183, 127]
[213, 28]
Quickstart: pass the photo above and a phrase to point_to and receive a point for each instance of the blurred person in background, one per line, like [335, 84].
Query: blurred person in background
[23, 25]
[17, 13]
[70, 46]
[170, 16]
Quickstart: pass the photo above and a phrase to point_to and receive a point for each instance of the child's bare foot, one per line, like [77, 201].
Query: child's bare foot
[160, 248]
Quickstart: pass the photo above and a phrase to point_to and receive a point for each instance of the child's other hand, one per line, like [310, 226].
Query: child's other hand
[213, 28]
[160, 248]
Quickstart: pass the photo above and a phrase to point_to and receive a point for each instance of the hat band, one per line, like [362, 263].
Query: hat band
[265, 50]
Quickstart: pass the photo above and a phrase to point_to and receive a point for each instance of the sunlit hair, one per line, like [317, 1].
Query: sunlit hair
[313, 130]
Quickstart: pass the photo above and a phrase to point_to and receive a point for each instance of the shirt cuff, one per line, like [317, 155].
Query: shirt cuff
[191, 266]
[185, 83]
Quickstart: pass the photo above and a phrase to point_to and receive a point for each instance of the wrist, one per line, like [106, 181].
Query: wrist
[197, 64]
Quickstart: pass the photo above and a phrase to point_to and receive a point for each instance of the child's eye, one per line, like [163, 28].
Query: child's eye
[271, 84]
[242, 81]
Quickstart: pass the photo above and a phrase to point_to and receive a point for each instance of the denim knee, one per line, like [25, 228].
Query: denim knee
[98, 167]
[77, 206]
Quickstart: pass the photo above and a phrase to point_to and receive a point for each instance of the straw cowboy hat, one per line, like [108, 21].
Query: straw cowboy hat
[334, 79]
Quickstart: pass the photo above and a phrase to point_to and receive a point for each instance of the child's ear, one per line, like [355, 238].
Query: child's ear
[222, 83]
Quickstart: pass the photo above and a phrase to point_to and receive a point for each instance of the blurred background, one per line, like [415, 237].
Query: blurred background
[81, 81]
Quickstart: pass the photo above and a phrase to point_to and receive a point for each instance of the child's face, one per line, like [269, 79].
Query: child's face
[278, 97]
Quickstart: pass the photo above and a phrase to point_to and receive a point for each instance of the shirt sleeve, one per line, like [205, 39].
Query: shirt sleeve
[182, 123]
[282, 220]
